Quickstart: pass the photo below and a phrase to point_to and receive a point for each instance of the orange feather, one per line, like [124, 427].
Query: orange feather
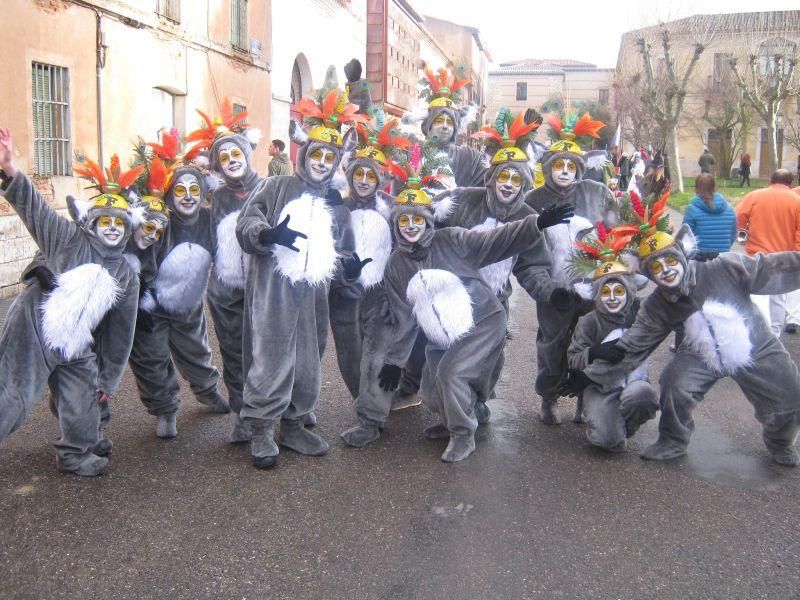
[586, 126]
[329, 104]
[396, 170]
[431, 79]
[590, 250]
[126, 179]
[157, 178]
[488, 132]
[624, 230]
[518, 128]
[308, 108]
[457, 85]
[619, 243]
[555, 122]
[91, 170]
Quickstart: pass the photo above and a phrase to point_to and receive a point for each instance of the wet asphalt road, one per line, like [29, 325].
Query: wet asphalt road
[534, 513]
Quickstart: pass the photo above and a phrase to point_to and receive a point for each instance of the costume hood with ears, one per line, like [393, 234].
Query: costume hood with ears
[568, 134]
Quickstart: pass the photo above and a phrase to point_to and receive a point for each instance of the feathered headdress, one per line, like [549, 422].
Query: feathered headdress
[109, 184]
[442, 88]
[571, 132]
[416, 175]
[327, 113]
[645, 223]
[505, 137]
[600, 255]
[378, 137]
[210, 129]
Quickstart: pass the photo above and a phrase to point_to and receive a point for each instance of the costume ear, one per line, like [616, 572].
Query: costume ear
[631, 260]
[78, 209]
[138, 213]
[297, 133]
[641, 281]
[466, 115]
[383, 204]
[595, 159]
[686, 240]
[349, 144]
[444, 203]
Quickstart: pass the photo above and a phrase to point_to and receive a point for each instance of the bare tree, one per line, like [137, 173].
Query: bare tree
[637, 122]
[791, 132]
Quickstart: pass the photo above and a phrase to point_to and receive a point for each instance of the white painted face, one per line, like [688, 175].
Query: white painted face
[508, 185]
[365, 182]
[411, 227]
[110, 230]
[563, 172]
[666, 271]
[442, 128]
[232, 160]
[148, 234]
[186, 193]
[613, 295]
[320, 163]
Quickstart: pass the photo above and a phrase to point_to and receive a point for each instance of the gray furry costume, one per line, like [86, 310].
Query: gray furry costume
[590, 200]
[172, 331]
[725, 335]
[77, 337]
[286, 306]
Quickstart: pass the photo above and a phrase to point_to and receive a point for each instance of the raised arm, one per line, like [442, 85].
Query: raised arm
[767, 274]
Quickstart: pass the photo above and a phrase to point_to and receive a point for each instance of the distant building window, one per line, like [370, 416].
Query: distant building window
[603, 97]
[169, 9]
[238, 108]
[239, 24]
[522, 90]
[51, 128]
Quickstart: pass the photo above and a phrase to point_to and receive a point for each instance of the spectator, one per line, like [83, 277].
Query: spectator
[711, 218]
[280, 163]
[771, 217]
[744, 169]
[636, 173]
[624, 171]
[706, 161]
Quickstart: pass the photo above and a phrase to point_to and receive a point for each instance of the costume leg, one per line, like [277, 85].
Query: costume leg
[347, 338]
[552, 341]
[638, 403]
[228, 320]
[684, 383]
[152, 368]
[605, 424]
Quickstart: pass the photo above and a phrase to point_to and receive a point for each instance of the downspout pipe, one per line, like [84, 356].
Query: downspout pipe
[100, 62]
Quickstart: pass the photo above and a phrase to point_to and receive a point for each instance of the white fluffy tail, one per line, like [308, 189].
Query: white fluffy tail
[230, 264]
[373, 240]
[441, 305]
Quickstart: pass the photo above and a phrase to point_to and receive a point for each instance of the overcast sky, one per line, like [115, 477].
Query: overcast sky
[587, 30]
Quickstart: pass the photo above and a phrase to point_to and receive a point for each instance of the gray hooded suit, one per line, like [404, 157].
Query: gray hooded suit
[76, 338]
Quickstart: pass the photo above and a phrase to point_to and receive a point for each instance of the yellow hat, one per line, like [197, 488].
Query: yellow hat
[326, 135]
[655, 243]
[566, 145]
[372, 153]
[508, 154]
[156, 203]
[414, 196]
[610, 266]
[442, 102]
[110, 200]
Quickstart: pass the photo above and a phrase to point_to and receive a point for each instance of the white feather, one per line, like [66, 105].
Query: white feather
[720, 336]
[72, 311]
[441, 305]
[373, 240]
[133, 261]
[315, 263]
[182, 278]
[230, 263]
[640, 373]
[496, 274]
[560, 241]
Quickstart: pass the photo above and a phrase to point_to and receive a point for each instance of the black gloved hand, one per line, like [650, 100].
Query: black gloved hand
[352, 266]
[563, 300]
[574, 384]
[389, 377]
[555, 215]
[608, 351]
[281, 235]
[45, 277]
[352, 70]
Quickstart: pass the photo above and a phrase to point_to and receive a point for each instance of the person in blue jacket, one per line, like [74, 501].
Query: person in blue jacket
[711, 219]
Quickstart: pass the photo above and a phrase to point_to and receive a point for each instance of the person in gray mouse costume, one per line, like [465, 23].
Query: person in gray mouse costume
[229, 144]
[725, 335]
[71, 329]
[434, 283]
[296, 231]
[563, 166]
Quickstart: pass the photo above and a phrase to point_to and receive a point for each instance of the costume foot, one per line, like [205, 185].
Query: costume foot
[89, 467]
[616, 448]
[166, 426]
[364, 433]
[296, 437]
[459, 448]
[401, 401]
[482, 413]
[547, 412]
[263, 448]
[265, 462]
[578, 417]
[791, 328]
[663, 449]
[241, 431]
[216, 403]
[787, 457]
[310, 420]
[104, 446]
[436, 432]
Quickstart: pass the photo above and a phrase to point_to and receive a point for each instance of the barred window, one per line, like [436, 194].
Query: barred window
[239, 24]
[51, 127]
[602, 96]
[169, 9]
[238, 108]
[522, 90]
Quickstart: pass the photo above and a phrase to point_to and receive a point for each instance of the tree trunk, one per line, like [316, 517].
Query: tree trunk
[772, 138]
[676, 177]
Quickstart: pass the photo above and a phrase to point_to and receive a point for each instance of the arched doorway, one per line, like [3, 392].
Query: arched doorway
[301, 82]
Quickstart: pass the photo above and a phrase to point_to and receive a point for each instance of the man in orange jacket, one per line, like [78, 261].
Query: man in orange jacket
[772, 218]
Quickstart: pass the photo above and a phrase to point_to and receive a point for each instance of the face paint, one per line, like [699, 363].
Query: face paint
[442, 129]
[110, 230]
[666, 271]
[232, 160]
[411, 227]
[507, 185]
[148, 234]
[320, 163]
[614, 296]
[563, 172]
[187, 194]
[365, 181]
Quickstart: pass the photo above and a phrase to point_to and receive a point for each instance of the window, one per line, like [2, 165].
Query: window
[169, 9]
[239, 24]
[238, 109]
[522, 90]
[51, 133]
[603, 96]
